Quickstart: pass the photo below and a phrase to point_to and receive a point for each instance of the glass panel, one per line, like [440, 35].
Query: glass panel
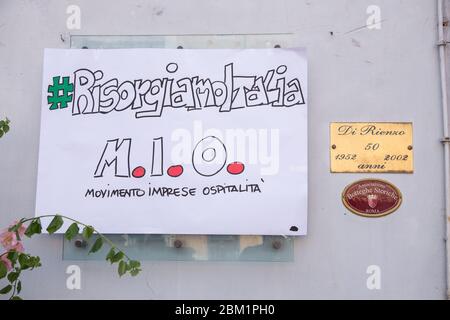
[188, 42]
[188, 248]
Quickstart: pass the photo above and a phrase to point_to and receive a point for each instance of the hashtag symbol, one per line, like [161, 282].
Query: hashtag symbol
[59, 93]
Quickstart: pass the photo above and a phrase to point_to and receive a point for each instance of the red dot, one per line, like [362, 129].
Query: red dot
[235, 168]
[138, 172]
[175, 171]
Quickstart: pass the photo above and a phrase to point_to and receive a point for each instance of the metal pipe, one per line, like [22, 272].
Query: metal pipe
[442, 46]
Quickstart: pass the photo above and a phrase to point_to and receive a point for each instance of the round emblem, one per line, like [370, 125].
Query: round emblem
[371, 198]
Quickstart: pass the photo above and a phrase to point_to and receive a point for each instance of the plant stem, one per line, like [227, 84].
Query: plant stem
[23, 221]
[111, 244]
[14, 290]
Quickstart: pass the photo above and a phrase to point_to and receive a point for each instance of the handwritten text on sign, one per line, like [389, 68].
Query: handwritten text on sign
[175, 141]
[371, 147]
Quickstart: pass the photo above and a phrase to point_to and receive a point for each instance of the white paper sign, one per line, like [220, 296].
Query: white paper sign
[161, 141]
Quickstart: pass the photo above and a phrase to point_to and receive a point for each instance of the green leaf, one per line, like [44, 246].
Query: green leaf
[12, 276]
[34, 262]
[87, 232]
[122, 268]
[2, 123]
[12, 256]
[5, 128]
[55, 225]
[110, 255]
[23, 261]
[97, 245]
[3, 270]
[35, 227]
[19, 286]
[6, 289]
[16, 298]
[117, 257]
[135, 272]
[134, 264]
[27, 261]
[1, 133]
[72, 231]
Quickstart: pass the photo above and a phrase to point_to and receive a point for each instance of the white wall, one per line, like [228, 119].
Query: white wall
[356, 74]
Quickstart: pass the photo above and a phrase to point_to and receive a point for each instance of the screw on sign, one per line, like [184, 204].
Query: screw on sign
[371, 198]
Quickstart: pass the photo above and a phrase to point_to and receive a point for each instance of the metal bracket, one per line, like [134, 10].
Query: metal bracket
[445, 140]
[442, 43]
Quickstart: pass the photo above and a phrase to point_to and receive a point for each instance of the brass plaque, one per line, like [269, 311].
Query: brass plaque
[371, 147]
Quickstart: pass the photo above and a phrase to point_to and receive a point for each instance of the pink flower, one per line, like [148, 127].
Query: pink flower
[4, 259]
[9, 239]
[18, 247]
